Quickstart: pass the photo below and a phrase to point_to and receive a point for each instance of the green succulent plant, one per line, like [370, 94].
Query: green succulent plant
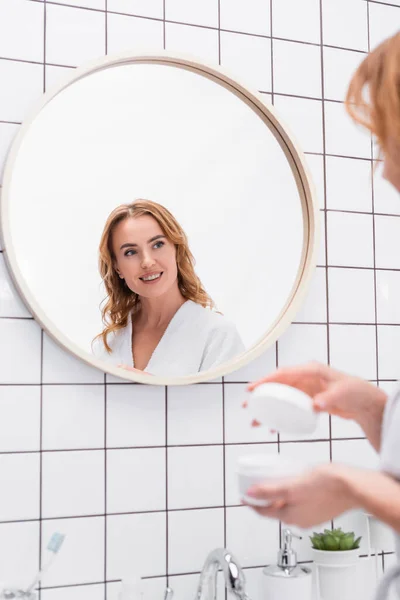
[334, 540]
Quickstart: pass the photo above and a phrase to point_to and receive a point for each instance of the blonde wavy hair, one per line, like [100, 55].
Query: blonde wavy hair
[373, 97]
[120, 301]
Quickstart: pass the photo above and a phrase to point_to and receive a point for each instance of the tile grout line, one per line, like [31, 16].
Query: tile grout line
[105, 399]
[166, 487]
[373, 227]
[41, 460]
[42, 354]
[328, 358]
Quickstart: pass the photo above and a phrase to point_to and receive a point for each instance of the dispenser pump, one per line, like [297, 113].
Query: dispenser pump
[287, 557]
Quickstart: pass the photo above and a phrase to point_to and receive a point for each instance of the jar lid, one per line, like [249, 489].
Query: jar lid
[282, 408]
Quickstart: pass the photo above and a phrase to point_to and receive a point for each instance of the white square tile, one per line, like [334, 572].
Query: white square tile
[387, 232]
[19, 552]
[73, 483]
[343, 231]
[73, 35]
[21, 30]
[345, 428]
[20, 354]
[321, 432]
[84, 592]
[95, 4]
[185, 586]
[389, 387]
[11, 304]
[232, 455]
[133, 34]
[343, 136]
[309, 454]
[196, 41]
[252, 17]
[339, 66]
[388, 296]
[59, 366]
[195, 414]
[297, 69]
[135, 480]
[383, 22]
[345, 24]
[357, 453]
[321, 259]
[135, 415]
[136, 544]
[56, 76]
[351, 295]
[353, 349]
[314, 307]
[8, 132]
[18, 434]
[153, 589]
[386, 197]
[238, 429]
[246, 535]
[302, 343]
[303, 118]
[389, 360]
[73, 417]
[261, 366]
[192, 534]
[348, 184]
[22, 85]
[248, 58]
[315, 164]
[196, 13]
[389, 561]
[304, 23]
[140, 8]
[81, 559]
[18, 474]
[195, 477]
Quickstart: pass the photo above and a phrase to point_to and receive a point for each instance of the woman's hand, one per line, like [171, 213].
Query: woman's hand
[311, 499]
[337, 394]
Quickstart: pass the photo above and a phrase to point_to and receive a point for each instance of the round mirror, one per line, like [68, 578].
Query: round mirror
[158, 220]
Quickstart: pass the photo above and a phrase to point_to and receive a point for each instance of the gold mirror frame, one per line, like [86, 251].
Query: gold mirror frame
[300, 172]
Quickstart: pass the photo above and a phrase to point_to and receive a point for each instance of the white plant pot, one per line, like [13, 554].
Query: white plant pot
[337, 574]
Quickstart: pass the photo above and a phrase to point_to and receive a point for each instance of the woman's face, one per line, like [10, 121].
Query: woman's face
[145, 258]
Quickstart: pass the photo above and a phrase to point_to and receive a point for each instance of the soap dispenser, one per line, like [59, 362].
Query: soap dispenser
[286, 578]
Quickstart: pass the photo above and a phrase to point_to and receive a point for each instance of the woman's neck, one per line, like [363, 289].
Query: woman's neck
[158, 312]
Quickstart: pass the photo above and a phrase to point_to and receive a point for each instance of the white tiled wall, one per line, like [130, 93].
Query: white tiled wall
[141, 479]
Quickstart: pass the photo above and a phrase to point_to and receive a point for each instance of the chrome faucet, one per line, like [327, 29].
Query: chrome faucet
[233, 575]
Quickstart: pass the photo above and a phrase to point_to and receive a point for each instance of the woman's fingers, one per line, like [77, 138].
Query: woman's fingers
[272, 493]
[312, 372]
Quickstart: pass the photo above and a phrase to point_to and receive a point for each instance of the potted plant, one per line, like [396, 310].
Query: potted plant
[336, 559]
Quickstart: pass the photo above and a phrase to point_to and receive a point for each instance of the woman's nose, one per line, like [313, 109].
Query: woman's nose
[147, 261]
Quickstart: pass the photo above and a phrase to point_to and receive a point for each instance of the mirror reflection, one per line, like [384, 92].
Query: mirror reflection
[156, 307]
[176, 224]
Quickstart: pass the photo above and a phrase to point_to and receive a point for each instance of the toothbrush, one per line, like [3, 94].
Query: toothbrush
[53, 547]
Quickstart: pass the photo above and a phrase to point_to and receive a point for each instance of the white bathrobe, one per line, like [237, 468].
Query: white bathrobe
[196, 339]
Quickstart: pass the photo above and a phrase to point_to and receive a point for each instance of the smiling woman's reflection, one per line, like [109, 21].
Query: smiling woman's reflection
[157, 316]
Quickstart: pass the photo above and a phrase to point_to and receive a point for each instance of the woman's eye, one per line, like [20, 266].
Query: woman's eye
[158, 245]
[130, 252]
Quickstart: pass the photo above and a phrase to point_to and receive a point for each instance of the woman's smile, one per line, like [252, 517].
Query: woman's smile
[151, 278]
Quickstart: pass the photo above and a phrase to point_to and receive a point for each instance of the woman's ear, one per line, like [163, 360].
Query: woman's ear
[117, 271]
